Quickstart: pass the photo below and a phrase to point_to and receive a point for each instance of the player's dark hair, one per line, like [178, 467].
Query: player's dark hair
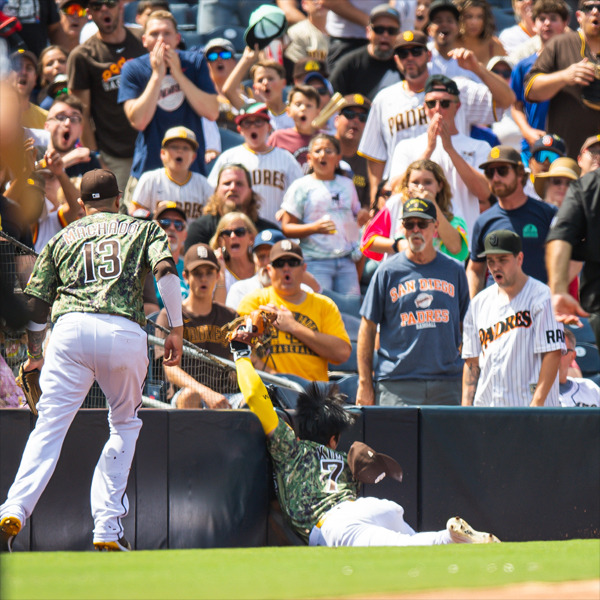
[307, 91]
[560, 7]
[143, 5]
[320, 413]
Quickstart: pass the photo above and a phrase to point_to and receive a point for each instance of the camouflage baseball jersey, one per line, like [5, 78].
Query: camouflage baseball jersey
[311, 478]
[98, 264]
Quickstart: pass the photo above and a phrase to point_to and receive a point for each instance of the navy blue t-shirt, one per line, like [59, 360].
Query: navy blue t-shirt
[173, 108]
[419, 309]
[530, 221]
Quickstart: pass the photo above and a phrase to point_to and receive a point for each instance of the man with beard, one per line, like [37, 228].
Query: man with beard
[233, 192]
[515, 211]
[94, 70]
[418, 298]
[567, 73]
[370, 68]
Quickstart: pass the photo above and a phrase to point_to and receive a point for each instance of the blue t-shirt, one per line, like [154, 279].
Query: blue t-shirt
[535, 112]
[172, 110]
[531, 221]
[419, 309]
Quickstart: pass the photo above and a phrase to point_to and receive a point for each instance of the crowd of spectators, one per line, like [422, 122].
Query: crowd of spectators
[404, 163]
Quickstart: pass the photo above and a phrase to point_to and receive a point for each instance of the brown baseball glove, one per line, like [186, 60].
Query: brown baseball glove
[255, 329]
[29, 381]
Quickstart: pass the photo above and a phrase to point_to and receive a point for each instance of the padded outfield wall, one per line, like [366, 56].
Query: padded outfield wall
[201, 479]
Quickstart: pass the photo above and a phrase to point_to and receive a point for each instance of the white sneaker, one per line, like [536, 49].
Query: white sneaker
[462, 533]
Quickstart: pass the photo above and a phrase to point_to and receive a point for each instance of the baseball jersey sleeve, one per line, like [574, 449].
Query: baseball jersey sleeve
[158, 245]
[372, 143]
[549, 334]
[545, 63]
[213, 176]
[471, 346]
[44, 280]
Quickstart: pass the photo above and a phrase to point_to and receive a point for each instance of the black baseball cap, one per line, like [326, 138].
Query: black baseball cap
[551, 142]
[419, 207]
[441, 83]
[439, 5]
[369, 466]
[502, 241]
[99, 184]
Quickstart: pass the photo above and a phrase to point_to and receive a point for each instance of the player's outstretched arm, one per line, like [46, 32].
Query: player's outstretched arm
[471, 373]
[548, 375]
[253, 389]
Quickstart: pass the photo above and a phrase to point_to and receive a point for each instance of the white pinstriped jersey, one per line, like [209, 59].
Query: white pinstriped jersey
[156, 186]
[509, 338]
[398, 114]
[272, 173]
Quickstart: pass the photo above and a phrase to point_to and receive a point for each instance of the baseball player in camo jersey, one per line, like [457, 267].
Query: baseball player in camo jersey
[92, 274]
[317, 485]
[398, 113]
[174, 182]
[512, 343]
[272, 169]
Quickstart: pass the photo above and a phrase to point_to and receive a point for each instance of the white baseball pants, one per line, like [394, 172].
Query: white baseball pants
[371, 522]
[84, 347]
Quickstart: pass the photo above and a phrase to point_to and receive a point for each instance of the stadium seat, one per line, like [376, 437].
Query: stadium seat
[588, 358]
[130, 11]
[192, 40]
[584, 333]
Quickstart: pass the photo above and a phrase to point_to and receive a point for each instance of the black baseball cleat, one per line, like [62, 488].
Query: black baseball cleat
[121, 545]
[9, 527]
[462, 533]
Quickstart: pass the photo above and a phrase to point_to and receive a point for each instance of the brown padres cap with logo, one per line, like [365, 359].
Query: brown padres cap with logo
[200, 254]
[506, 154]
[99, 184]
[369, 466]
[285, 248]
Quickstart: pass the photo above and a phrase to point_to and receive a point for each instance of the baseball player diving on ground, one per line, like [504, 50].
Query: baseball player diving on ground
[92, 274]
[317, 485]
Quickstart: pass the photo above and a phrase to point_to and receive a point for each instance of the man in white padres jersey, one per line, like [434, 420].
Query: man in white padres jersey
[92, 274]
[174, 182]
[398, 112]
[512, 343]
[272, 169]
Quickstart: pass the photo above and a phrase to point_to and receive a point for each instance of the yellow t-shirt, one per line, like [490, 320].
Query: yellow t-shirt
[34, 117]
[287, 353]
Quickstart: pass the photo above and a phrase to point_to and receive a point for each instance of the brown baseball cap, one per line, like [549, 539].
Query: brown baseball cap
[309, 65]
[593, 139]
[369, 466]
[411, 38]
[506, 154]
[357, 100]
[180, 133]
[17, 56]
[200, 254]
[502, 241]
[384, 10]
[165, 205]
[99, 184]
[285, 248]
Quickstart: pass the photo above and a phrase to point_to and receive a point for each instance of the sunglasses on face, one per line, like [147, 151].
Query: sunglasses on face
[350, 114]
[504, 73]
[542, 156]
[442, 103]
[247, 123]
[410, 224]
[560, 181]
[292, 262]
[177, 223]
[74, 10]
[415, 51]
[380, 30]
[62, 118]
[502, 170]
[99, 5]
[588, 8]
[224, 54]
[385, 193]
[239, 232]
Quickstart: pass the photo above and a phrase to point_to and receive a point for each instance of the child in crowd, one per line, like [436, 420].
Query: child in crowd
[268, 83]
[174, 182]
[272, 169]
[303, 107]
[320, 209]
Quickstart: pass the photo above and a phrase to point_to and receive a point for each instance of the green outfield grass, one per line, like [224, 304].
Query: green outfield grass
[292, 572]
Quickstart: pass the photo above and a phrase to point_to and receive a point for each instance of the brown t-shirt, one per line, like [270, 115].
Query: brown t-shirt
[96, 66]
[568, 116]
[292, 141]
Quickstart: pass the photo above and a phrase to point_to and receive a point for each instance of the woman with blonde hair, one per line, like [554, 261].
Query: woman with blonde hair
[423, 178]
[476, 30]
[232, 243]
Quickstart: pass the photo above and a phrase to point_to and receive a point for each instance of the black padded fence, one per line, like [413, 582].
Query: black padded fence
[201, 479]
